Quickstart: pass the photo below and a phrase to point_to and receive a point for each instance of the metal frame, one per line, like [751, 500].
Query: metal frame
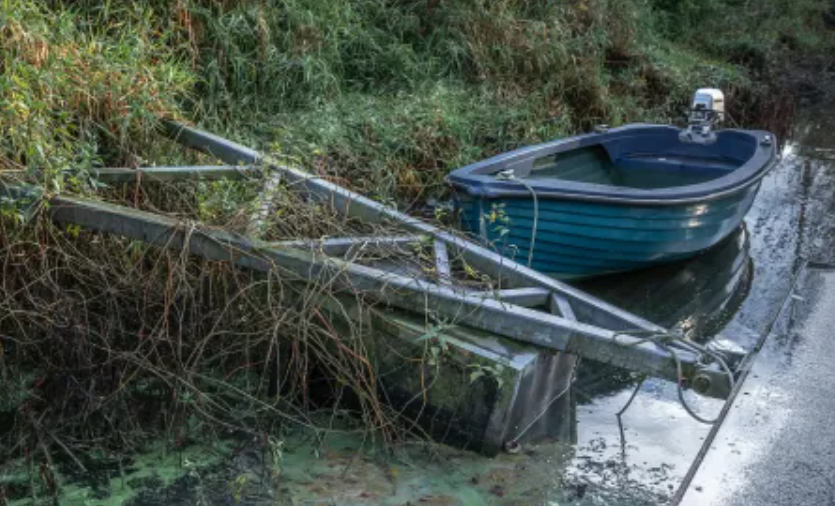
[533, 308]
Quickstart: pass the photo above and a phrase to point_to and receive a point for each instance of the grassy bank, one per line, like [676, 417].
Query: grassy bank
[390, 94]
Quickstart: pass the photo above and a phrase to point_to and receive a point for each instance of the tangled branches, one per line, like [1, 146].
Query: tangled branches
[106, 342]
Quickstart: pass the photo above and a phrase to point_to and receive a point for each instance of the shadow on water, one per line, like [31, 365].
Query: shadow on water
[697, 295]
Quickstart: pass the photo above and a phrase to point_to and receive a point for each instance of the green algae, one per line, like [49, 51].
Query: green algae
[339, 467]
[347, 473]
[156, 467]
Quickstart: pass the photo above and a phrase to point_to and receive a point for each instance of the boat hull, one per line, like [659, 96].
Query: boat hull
[582, 239]
[613, 201]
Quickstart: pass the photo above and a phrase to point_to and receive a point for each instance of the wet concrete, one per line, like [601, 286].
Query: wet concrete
[776, 445]
[791, 221]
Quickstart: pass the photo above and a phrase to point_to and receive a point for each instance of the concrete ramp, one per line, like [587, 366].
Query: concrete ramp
[776, 444]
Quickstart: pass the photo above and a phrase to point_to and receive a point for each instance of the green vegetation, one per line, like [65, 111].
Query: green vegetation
[76, 91]
[388, 94]
[107, 344]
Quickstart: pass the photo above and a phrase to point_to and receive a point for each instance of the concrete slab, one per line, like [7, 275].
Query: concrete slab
[776, 444]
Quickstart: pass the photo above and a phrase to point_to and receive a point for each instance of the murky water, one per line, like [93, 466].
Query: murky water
[791, 221]
[736, 289]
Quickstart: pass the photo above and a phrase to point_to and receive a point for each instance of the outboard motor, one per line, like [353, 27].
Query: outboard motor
[706, 112]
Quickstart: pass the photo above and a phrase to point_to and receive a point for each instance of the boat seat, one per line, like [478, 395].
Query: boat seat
[674, 162]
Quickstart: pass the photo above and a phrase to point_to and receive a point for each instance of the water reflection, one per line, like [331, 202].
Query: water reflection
[790, 221]
[698, 295]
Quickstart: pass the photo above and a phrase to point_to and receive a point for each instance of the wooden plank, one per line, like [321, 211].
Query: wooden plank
[586, 307]
[199, 172]
[525, 297]
[442, 267]
[561, 306]
[350, 246]
[266, 199]
[445, 302]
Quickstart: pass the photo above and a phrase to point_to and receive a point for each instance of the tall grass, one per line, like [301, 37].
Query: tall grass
[390, 96]
[78, 91]
[387, 94]
[760, 35]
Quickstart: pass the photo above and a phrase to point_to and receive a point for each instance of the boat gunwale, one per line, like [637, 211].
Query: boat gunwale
[486, 186]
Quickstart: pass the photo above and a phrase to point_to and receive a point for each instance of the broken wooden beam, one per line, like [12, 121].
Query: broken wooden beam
[525, 297]
[442, 265]
[561, 306]
[586, 307]
[266, 204]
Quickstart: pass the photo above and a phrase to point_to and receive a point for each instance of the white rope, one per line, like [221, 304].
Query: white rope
[665, 341]
[509, 175]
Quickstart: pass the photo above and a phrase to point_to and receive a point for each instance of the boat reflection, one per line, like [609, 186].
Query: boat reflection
[698, 296]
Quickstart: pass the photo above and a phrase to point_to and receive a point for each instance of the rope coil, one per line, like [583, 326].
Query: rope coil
[667, 341]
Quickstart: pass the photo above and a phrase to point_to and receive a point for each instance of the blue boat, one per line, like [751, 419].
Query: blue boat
[617, 199]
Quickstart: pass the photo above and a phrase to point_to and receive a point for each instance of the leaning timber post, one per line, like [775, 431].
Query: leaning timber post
[367, 210]
[673, 359]
[409, 293]
[264, 207]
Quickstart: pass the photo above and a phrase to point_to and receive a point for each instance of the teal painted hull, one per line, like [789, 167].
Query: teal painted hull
[616, 201]
[582, 239]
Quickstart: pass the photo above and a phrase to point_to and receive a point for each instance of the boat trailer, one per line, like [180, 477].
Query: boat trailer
[528, 307]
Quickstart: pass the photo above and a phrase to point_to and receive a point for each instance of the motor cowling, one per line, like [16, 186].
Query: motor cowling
[707, 110]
